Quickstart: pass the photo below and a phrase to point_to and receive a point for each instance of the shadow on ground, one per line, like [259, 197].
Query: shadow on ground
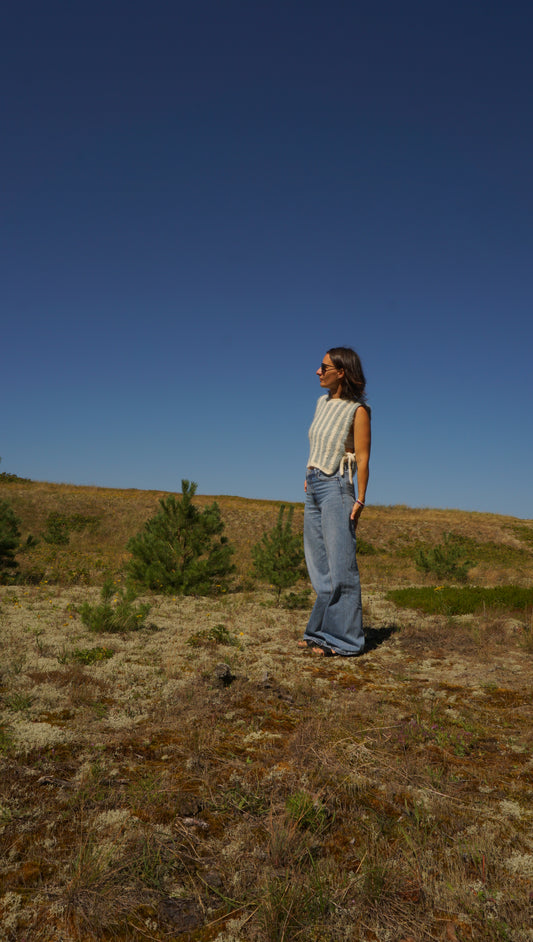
[376, 636]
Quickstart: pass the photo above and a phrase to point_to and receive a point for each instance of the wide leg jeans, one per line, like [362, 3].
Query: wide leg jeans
[336, 620]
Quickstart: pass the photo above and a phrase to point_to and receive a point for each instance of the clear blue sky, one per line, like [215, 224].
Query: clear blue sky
[198, 199]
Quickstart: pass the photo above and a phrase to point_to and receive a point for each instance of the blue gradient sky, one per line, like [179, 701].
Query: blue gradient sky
[199, 199]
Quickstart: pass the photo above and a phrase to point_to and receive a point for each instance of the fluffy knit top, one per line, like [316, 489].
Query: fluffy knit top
[329, 430]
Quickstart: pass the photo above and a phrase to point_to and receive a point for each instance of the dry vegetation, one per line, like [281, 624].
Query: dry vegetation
[203, 779]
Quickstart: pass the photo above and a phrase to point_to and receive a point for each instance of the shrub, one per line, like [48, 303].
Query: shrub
[60, 526]
[364, 548]
[297, 600]
[91, 655]
[217, 634]
[278, 556]
[116, 612]
[57, 531]
[7, 478]
[445, 561]
[181, 549]
[9, 541]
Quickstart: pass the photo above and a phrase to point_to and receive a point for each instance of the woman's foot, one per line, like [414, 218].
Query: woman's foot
[323, 652]
[305, 644]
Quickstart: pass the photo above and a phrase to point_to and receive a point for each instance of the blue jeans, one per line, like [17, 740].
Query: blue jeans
[329, 542]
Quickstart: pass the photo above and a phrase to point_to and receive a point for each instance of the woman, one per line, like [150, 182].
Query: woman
[340, 444]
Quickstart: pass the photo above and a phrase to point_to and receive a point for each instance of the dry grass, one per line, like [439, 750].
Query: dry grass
[382, 799]
[393, 532]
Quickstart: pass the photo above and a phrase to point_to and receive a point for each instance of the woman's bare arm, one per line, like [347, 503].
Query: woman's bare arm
[361, 447]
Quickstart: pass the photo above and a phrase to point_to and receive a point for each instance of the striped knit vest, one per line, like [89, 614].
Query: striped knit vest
[329, 431]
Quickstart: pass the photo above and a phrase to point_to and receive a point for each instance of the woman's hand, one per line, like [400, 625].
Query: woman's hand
[356, 513]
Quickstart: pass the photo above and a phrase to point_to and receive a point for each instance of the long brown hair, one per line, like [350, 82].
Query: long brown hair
[353, 381]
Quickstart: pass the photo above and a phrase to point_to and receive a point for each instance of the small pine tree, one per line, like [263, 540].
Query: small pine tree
[9, 542]
[445, 561]
[116, 611]
[181, 549]
[278, 556]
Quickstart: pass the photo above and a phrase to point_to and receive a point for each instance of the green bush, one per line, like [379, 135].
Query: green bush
[445, 561]
[181, 549]
[9, 542]
[57, 530]
[91, 655]
[7, 478]
[217, 634]
[116, 612]
[278, 556]
[60, 526]
[297, 600]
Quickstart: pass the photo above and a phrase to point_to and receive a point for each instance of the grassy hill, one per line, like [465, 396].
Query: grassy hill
[103, 519]
[203, 779]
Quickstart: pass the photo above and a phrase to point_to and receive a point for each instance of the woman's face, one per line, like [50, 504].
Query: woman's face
[330, 376]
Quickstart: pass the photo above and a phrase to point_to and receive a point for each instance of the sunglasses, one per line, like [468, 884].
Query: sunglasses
[324, 367]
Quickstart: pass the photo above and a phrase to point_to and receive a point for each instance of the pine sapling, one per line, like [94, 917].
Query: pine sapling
[278, 556]
[182, 549]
